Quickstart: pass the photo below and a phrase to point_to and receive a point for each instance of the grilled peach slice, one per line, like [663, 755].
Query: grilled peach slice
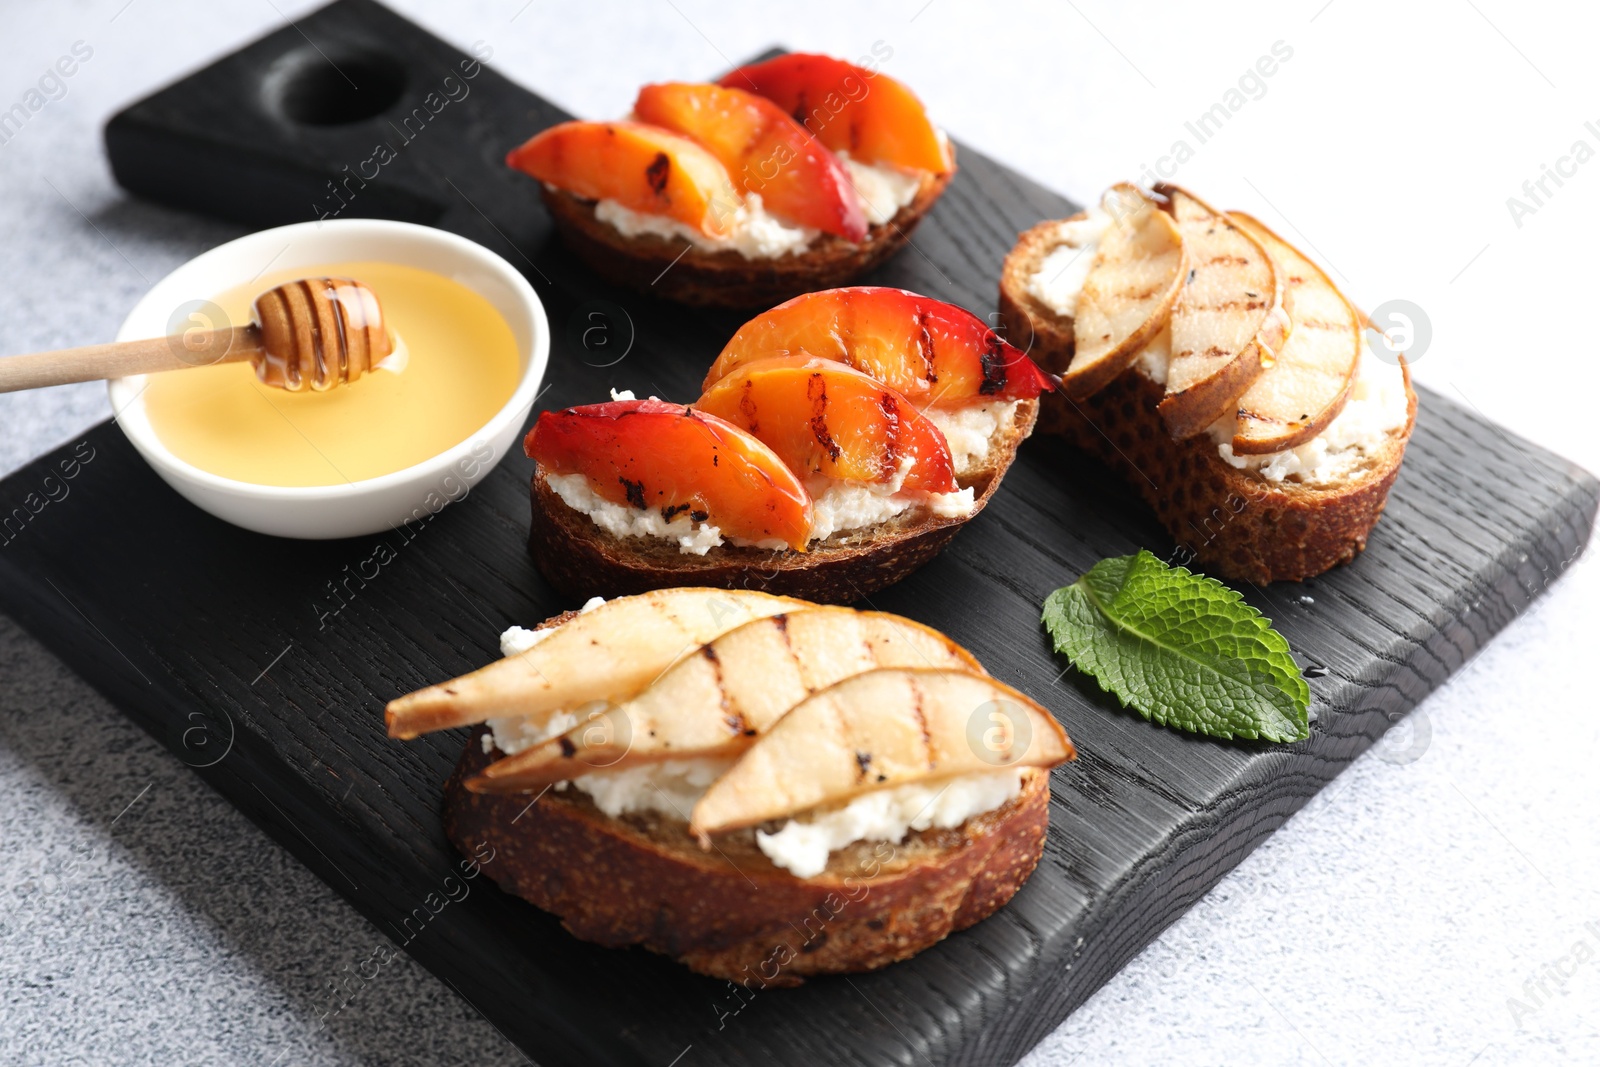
[764, 150]
[937, 354]
[873, 117]
[651, 454]
[645, 169]
[826, 418]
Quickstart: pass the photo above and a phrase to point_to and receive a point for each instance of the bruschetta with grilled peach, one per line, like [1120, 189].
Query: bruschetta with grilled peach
[794, 174]
[841, 441]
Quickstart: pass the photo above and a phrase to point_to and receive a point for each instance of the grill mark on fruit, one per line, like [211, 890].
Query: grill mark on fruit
[863, 761]
[699, 516]
[817, 393]
[925, 347]
[891, 413]
[732, 716]
[672, 511]
[922, 722]
[657, 172]
[568, 749]
[634, 492]
[747, 407]
[1233, 305]
[781, 622]
[1320, 324]
[993, 362]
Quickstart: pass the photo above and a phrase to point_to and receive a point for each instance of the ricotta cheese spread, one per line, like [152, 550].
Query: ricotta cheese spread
[755, 233]
[752, 232]
[969, 430]
[623, 520]
[1060, 277]
[836, 506]
[671, 787]
[1154, 358]
[1378, 406]
[512, 733]
[840, 505]
[882, 190]
[802, 845]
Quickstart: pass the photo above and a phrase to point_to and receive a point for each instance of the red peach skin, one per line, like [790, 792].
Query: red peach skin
[651, 454]
[870, 115]
[643, 168]
[764, 150]
[937, 354]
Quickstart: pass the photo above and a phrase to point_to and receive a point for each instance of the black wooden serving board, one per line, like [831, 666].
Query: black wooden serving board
[227, 645]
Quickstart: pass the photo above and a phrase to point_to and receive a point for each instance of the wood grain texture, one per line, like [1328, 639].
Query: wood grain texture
[265, 663]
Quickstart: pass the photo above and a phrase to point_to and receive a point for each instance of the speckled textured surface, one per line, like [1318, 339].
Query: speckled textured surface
[1437, 904]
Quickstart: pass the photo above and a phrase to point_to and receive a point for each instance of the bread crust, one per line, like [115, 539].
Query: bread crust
[675, 270]
[642, 880]
[581, 560]
[1232, 522]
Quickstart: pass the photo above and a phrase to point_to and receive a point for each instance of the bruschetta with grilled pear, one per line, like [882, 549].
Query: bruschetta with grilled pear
[1253, 418]
[812, 790]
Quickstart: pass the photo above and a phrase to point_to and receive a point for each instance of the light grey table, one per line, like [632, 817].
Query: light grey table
[1436, 904]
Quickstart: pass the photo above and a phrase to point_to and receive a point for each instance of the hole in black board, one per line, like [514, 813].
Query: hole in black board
[343, 86]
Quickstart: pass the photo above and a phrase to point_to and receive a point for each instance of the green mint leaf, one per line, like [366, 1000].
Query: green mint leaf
[1180, 648]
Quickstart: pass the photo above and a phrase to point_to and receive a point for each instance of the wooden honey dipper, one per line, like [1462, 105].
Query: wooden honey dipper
[312, 334]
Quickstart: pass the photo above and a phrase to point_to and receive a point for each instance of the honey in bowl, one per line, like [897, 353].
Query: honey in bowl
[459, 367]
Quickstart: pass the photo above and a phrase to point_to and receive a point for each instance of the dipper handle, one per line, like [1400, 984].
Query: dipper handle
[312, 334]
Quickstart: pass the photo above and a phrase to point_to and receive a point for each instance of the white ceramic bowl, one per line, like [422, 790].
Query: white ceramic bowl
[372, 504]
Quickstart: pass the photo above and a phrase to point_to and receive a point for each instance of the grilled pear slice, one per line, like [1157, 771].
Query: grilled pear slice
[609, 653]
[1228, 322]
[879, 730]
[1296, 398]
[1127, 297]
[716, 702]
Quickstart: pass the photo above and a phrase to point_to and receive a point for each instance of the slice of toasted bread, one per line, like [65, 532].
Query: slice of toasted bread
[673, 269]
[1234, 522]
[582, 560]
[642, 880]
